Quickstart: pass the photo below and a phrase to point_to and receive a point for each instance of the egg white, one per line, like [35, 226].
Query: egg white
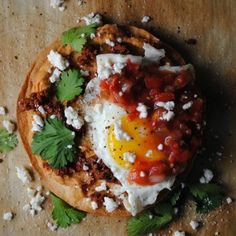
[99, 114]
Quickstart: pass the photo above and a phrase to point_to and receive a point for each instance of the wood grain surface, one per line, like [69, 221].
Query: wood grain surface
[27, 26]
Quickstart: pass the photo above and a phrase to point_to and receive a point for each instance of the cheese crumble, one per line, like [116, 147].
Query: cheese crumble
[57, 60]
[110, 204]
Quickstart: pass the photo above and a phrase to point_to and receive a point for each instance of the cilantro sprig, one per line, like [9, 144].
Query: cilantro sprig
[64, 214]
[206, 196]
[151, 220]
[55, 143]
[77, 37]
[7, 141]
[69, 85]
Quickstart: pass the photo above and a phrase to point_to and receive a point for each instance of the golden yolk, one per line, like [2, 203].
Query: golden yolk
[142, 140]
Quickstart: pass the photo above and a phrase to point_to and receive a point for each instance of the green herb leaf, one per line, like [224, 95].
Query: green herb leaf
[175, 197]
[206, 196]
[55, 143]
[78, 44]
[74, 37]
[148, 221]
[64, 214]
[7, 141]
[69, 85]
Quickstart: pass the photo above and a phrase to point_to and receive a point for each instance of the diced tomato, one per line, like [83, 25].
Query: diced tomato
[183, 79]
[164, 97]
[148, 173]
[153, 82]
[104, 84]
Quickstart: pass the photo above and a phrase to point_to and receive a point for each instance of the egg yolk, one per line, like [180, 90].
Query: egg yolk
[143, 142]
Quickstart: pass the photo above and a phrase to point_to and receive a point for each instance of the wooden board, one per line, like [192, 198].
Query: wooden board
[28, 26]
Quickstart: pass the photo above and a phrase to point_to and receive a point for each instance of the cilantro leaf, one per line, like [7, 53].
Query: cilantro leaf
[64, 214]
[174, 199]
[78, 44]
[69, 85]
[206, 196]
[147, 222]
[74, 37]
[55, 143]
[7, 141]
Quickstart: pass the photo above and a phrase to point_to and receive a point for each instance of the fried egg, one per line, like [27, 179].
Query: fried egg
[135, 137]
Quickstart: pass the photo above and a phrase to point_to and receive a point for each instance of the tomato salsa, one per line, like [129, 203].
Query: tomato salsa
[175, 111]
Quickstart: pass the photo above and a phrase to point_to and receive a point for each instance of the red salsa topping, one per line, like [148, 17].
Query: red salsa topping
[179, 126]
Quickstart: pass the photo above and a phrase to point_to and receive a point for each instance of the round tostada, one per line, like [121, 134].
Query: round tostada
[111, 118]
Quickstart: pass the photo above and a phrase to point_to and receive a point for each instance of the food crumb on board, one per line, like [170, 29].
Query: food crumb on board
[8, 216]
[146, 19]
[191, 41]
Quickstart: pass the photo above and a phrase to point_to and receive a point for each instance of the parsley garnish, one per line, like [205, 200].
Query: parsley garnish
[55, 143]
[64, 214]
[77, 37]
[151, 220]
[206, 196]
[7, 141]
[69, 85]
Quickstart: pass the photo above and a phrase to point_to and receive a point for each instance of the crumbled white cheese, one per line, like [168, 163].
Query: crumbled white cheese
[176, 209]
[207, 176]
[149, 153]
[92, 18]
[119, 40]
[80, 2]
[187, 105]
[39, 188]
[52, 226]
[85, 168]
[41, 110]
[92, 36]
[160, 147]
[37, 123]
[179, 233]
[60, 4]
[229, 200]
[94, 205]
[84, 72]
[52, 117]
[129, 156]
[55, 76]
[36, 202]
[31, 192]
[170, 105]
[109, 42]
[142, 109]
[169, 115]
[152, 54]
[102, 187]
[119, 133]
[194, 224]
[2, 110]
[110, 204]
[72, 118]
[146, 19]
[57, 60]
[142, 174]
[23, 175]
[108, 64]
[8, 216]
[9, 126]
[117, 189]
